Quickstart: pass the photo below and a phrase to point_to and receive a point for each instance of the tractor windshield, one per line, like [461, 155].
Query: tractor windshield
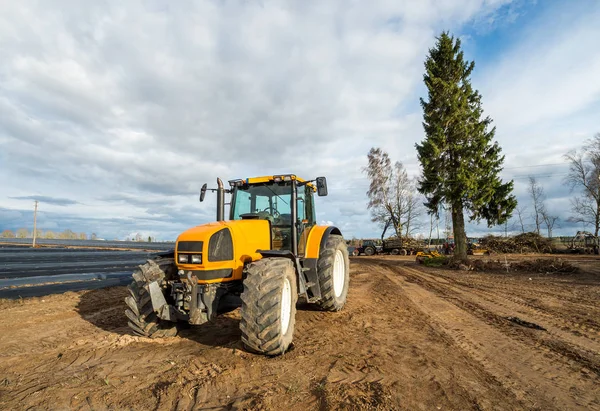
[265, 201]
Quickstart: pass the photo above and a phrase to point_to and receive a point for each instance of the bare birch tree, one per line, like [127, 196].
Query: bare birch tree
[393, 198]
[520, 210]
[584, 177]
[536, 192]
[550, 221]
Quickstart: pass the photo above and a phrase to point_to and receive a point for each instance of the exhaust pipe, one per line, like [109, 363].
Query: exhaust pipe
[220, 200]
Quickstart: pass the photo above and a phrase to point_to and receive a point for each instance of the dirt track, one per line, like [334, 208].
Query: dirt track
[409, 338]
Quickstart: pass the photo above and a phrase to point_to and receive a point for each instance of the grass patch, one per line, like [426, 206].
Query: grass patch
[436, 261]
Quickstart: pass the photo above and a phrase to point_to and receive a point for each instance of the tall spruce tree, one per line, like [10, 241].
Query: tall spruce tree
[461, 163]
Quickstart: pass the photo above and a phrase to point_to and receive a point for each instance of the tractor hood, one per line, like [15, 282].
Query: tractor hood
[222, 245]
[244, 228]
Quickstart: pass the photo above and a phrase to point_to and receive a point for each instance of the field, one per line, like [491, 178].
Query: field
[409, 338]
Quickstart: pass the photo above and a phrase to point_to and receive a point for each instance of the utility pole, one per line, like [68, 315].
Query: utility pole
[35, 222]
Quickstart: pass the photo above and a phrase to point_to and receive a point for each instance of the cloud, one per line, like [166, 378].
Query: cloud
[49, 200]
[550, 73]
[127, 109]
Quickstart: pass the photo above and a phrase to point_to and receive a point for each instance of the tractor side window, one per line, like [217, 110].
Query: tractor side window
[301, 205]
[310, 206]
[242, 204]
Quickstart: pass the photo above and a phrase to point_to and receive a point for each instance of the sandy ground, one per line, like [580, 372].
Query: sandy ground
[410, 338]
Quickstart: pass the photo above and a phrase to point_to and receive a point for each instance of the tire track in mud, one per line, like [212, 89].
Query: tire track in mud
[503, 306]
[554, 306]
[452, 380]
[510, 357]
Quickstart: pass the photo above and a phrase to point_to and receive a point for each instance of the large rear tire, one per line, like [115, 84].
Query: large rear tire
[370, 250]
[269, 306]
[333, 268]
[142, 318]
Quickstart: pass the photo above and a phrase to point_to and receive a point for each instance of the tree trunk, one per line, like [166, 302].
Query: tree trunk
[460, 237]
[430, 229]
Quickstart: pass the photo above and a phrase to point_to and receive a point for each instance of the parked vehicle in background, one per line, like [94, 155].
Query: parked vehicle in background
[368, 247]
[584, 243]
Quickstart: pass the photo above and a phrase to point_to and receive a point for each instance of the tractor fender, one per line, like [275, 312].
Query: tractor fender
[317, 237]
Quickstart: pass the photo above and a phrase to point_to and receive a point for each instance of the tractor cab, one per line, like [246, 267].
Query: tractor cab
[285, 201]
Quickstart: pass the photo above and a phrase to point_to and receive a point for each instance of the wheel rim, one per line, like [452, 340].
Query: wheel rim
[286, 305]
[339, 273]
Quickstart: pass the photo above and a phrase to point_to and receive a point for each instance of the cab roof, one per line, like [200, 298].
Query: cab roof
[271, 179]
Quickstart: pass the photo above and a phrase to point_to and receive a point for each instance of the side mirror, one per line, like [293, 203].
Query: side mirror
[321, 186]
[202, 192]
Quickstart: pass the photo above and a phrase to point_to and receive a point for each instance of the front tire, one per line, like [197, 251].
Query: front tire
[269, 306]
[142, 318]
[333, 268]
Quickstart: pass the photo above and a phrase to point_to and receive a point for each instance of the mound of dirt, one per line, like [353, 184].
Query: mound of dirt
[519, 244]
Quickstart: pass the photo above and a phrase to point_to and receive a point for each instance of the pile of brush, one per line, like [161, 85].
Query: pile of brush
[519, 244]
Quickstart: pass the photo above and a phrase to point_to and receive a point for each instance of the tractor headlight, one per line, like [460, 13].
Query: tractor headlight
[183, 258]
[196, 258]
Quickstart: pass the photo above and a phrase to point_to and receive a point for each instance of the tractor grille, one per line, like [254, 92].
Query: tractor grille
[190, 246]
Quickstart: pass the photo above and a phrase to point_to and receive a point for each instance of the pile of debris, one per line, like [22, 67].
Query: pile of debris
[519, 244]
[546, 266]
[540, 265]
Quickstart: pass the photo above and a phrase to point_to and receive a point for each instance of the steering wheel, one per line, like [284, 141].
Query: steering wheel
[275, 213]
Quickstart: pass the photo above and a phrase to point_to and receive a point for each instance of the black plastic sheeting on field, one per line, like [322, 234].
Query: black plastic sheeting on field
[138, 245]
[28, 272]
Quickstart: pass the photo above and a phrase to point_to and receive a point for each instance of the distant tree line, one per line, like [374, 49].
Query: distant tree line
[49, 234]
[63, 235]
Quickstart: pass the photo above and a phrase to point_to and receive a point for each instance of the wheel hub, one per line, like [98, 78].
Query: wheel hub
[339, 273]
[286, 306]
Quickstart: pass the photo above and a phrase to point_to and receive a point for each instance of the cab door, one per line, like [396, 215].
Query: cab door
[306, 216]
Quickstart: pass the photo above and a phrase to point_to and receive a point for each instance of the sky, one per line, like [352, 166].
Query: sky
[113, 114]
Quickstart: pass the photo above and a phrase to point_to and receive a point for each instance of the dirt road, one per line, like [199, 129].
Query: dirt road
[410, 338]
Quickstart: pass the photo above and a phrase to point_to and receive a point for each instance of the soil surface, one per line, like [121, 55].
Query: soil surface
[410, 337]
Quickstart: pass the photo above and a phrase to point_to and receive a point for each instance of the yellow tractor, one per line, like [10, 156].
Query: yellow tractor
[269, 254]
[424, 255]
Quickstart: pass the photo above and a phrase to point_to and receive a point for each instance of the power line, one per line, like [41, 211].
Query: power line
[538, 165]
[519, 177]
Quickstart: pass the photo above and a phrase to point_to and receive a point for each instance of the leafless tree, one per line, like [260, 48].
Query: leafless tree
[392, 194]
[550, 221]
[22, 233]
[412, 205]
[536, 192]
[520, 216]
[584, 177]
